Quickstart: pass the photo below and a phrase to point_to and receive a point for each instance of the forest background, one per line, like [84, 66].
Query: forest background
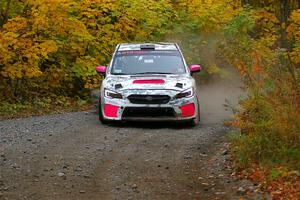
[49, 50]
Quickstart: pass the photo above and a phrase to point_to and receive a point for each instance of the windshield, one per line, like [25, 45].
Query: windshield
[148, 62]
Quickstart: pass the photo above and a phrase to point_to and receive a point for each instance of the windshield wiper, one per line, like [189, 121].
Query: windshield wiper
[152, 73]
[119, 74]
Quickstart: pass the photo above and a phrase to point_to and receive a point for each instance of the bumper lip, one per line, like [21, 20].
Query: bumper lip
[177, 117]
[123, 104]
[157, 119]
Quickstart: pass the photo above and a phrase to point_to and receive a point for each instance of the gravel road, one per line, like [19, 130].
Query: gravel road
[74, 156]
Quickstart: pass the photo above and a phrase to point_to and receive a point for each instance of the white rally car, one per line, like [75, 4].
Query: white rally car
[148, 82]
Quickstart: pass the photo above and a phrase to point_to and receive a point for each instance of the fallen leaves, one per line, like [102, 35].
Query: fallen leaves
[284, 186]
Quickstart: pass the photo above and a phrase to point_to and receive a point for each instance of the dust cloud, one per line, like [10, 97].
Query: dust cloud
[214, 95]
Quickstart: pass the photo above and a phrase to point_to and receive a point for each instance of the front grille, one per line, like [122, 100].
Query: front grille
[148, 112]
[149, 99]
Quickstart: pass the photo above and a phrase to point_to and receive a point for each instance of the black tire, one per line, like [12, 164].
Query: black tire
[101, 118]
[195, 122]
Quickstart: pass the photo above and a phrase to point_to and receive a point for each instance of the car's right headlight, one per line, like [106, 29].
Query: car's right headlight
[112, 94]
[185, 94]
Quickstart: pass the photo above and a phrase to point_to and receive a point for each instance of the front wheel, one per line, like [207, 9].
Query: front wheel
[194, 122]
[101, 118]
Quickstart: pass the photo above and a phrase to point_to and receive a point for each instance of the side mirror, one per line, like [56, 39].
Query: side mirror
[101, 70]
[195, 68]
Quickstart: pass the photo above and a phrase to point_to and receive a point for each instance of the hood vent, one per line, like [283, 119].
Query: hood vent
[118, 86]
[179, 85]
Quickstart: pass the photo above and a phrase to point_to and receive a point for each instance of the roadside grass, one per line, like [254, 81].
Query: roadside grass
[43, 106]
[265, 146]
[267, 160]
[265, 150]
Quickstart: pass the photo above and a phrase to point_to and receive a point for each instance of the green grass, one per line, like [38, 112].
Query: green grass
[43, 106]
[265, 149]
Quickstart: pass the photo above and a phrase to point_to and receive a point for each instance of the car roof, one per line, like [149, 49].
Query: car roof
[157, 46]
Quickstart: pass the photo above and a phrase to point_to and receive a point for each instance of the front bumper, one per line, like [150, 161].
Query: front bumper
[175, 110]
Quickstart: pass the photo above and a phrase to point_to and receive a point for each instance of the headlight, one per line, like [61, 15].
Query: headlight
[112, 95]
[185, 94]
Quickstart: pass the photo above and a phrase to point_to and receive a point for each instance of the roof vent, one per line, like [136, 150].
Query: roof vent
[147, 47]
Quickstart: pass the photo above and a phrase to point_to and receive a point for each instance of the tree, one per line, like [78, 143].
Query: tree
[53, 46]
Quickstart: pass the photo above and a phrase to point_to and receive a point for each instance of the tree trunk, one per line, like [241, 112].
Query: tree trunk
[244, 2]
[4, 13]
[284, 14]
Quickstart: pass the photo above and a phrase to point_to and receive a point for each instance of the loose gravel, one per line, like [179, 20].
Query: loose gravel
[74, 156]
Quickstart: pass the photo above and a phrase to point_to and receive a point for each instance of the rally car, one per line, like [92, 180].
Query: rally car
[148, 82]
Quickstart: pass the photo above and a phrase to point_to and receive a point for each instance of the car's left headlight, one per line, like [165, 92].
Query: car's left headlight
[185, 94]
[112, 94]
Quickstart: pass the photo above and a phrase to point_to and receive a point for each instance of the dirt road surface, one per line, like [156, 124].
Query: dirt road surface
[74, 156]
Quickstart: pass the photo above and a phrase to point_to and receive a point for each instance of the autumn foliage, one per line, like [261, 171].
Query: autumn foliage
[262, 42]
[49, 49]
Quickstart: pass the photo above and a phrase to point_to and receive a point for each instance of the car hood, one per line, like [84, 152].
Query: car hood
[148, 82]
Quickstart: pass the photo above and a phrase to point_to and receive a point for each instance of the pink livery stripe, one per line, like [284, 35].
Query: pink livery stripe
[149, 81]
